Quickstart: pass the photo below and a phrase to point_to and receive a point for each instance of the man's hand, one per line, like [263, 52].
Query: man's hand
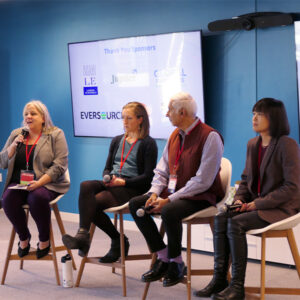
[151, 200]
[158, 204]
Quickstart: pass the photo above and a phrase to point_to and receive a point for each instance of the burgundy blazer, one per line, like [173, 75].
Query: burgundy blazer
[280, 179]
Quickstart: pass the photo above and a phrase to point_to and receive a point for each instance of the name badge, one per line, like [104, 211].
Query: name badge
[26, 177]
[172, 183]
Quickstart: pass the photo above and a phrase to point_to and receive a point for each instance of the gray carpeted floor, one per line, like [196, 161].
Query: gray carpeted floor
[37, 280]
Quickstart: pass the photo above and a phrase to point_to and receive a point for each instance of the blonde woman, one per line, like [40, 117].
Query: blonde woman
[35, 155]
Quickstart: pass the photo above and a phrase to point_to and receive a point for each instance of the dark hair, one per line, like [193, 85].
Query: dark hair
[276, 114]
[140, 112]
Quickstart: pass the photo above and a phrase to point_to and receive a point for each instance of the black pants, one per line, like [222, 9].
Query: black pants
[172, 215]
[94, 197]
[246, 220]
[230, 238]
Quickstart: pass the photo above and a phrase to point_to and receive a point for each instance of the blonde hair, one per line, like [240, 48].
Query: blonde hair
[140, 111]
[42, 109]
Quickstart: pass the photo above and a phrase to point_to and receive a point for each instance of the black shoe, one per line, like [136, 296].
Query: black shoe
[174, 274]
[230, 293]
[24, 251]
[42, 252]
[80, 241]
[157, 271]
[214, 287]
[114, 252]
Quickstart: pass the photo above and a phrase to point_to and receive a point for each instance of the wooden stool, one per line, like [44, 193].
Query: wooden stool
[118, 212]
[276, 230]
[31, 255]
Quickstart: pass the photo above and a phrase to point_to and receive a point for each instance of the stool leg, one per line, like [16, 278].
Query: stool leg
[188, 260]
[294, 249]
[62, 229]
[52, 244]
[147, 285]
[27, 217]
[122, 253]
[263, 266]
[9, 249]
[113, 269]
[83, 261]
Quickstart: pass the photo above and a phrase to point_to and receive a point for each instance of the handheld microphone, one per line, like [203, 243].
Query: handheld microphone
[141, 211]
[25, 134]
[226, 207]
[107, 178]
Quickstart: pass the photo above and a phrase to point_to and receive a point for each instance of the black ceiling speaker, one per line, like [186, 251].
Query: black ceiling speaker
[251, 21]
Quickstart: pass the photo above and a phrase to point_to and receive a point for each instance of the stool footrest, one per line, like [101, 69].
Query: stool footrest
[271, 290]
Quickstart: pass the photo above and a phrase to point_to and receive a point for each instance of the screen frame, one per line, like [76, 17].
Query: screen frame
[134, 36]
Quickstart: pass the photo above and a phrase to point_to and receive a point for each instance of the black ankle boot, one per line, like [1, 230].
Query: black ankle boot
[221, 256]
[114, 252]
[80, 241]
[238, 247]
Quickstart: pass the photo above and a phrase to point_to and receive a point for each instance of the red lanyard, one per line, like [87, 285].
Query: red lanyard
[123, 161]
[28, 154]
[180, 149]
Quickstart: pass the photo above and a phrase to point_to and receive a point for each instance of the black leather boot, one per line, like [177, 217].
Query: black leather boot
[80, 241]
[221, 256]
[238, 248]
[114, 252]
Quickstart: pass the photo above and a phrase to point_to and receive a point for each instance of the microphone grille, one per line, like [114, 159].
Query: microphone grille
[140, 212]
[106, 178]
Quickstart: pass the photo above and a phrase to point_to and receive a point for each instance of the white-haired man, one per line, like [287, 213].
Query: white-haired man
[186, 180]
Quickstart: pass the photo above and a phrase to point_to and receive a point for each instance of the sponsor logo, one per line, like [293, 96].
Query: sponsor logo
[91, 115]
[133, 79]
[89, 80]
[169, 75]
[90, 90]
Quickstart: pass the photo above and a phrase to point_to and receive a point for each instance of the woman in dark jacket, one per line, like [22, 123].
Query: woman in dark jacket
[269, 192]
[128, 172]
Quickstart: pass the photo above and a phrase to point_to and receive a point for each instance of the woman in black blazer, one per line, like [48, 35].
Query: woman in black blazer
[269, 192]
[128, 172]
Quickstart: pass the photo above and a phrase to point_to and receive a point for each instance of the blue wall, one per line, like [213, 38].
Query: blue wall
[239, 66]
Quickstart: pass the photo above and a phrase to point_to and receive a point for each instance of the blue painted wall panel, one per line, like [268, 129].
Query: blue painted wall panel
[239, 67]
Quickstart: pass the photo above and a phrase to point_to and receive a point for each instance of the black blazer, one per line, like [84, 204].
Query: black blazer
[280, 179]
[146, 162]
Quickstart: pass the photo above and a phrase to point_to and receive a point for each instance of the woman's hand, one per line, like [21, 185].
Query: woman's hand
[116, 181]
[251, 206]
[243, 205]
[32, 185]
[13, 146]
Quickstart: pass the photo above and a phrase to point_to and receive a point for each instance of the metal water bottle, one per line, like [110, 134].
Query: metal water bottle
[67, 271]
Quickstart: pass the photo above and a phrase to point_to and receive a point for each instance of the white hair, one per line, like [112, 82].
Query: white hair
[42, 109]
[186, 101]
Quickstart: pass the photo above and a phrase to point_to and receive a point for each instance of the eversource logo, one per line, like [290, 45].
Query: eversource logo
[101, 115]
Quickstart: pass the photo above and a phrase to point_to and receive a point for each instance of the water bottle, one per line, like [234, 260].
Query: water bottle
[67, 271]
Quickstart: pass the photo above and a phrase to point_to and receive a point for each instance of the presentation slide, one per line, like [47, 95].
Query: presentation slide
[297, 40]
[107, 74]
